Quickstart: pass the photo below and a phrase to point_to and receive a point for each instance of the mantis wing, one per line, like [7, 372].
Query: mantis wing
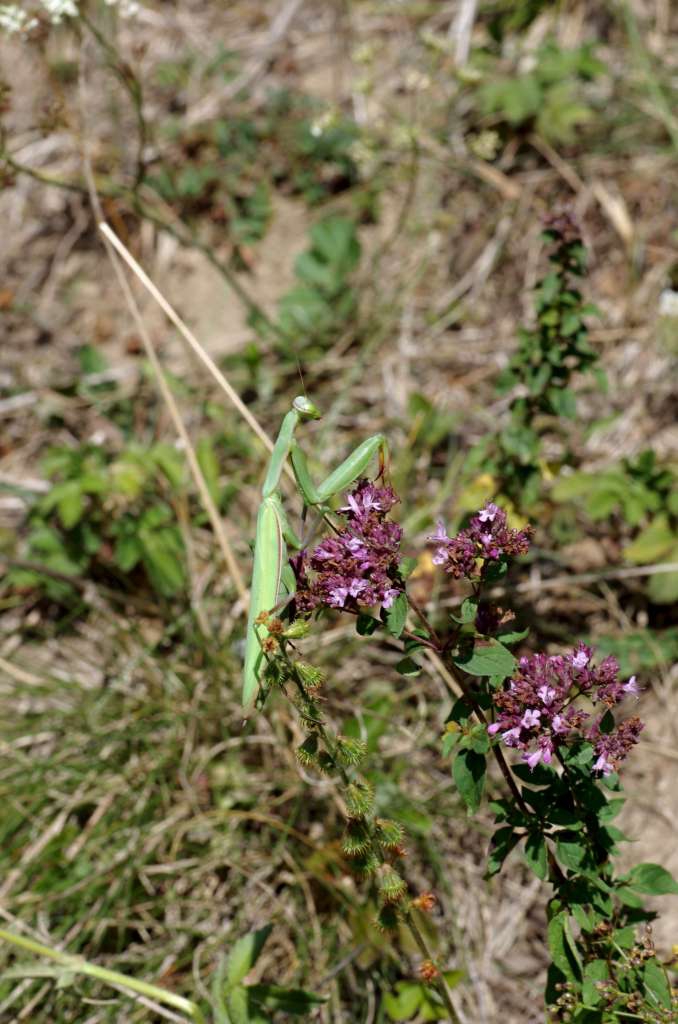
[269, 558]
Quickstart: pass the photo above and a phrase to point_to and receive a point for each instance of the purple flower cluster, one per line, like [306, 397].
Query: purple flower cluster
[537, 712]
[486, 539]
[358, 565]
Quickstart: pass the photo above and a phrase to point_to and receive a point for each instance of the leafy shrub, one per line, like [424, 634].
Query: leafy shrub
[313, 313]
[108, 515]
[549, 97]
[643, 495]
[541, 373]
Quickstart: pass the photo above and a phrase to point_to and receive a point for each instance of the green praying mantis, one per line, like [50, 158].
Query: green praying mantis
[272, 576]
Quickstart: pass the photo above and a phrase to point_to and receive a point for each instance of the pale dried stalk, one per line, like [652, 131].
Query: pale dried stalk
[188, 336]
[168, 398]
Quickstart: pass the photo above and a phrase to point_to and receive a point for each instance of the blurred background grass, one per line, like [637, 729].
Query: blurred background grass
[343, 197]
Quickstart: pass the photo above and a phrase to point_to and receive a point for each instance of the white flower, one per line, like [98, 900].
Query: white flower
[14, 20]
[60, 9]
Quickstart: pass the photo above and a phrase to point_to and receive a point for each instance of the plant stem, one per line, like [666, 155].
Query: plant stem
[331, 747]
[76, 963]
[424, 950]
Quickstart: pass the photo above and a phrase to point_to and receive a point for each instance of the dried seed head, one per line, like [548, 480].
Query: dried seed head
[428, 971]
[261, 619]
[275, 627]
[425, 901]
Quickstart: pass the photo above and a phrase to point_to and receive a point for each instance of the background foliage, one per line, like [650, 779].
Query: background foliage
[352, 194]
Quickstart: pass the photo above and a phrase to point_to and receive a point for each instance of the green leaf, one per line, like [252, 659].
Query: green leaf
[594, 971]
[396, 615]
[365, 624]
[517, 99]
[512, 636]
[535, 855]
[651, 878]
[71, 505]
[91, 359]
[656, 984]
[408, 667]
[128, 551]
[171, 462]
[128, 475]
[296, 1001]
[67, 498]
[563, 402]
[583, 917]
[662, 587]
[245, 954]
[562, 947]
[503, 841]
[468, 771]
[625, 937]
[467, 612]
[209, 464]
[570, 852]
[407, 567]
[453, 978]
[238, 1006]
[163, 559]
[403, 1003]
[652, 543]
[486, 658]
[540, 775]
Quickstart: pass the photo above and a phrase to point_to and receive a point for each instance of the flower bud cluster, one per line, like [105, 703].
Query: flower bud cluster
[358, 565]
[487, 538]
[538, 711]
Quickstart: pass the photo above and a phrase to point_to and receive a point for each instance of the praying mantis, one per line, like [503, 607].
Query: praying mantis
[272, 577]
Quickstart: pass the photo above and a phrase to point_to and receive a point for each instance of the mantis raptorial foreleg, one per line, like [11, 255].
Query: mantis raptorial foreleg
[271, 579]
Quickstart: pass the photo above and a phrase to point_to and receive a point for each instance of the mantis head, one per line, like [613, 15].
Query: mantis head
[305, 408]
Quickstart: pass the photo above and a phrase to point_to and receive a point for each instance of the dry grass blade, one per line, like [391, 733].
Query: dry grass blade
[191, 456]
[188, 336]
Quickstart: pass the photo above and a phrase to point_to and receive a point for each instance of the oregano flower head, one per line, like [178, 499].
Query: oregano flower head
[358, 565]
[488, 538]
[539, 711]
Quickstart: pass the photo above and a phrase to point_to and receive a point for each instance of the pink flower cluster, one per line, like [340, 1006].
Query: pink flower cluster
[537, 712]
[487, 538]
[357, 566]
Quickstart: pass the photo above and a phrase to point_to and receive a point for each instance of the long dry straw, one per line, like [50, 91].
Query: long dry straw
[168, 398]
[188, 336]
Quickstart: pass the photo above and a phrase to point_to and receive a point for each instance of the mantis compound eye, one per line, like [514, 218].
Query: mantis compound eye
[305, 408]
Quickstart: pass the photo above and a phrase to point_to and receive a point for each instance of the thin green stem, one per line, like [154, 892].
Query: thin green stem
[114, 978]
[330, 744]
[426, 953]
